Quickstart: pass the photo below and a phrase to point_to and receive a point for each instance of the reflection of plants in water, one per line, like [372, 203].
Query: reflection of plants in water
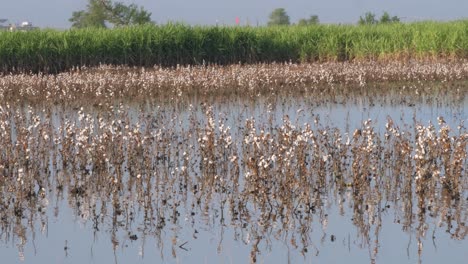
[151, 169]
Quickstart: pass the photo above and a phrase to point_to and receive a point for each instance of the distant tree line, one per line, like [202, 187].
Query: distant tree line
[312, 20]
[369, 19]
[279, 17]
[104, 13]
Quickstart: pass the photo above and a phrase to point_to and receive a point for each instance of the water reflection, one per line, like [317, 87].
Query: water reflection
[257, 173]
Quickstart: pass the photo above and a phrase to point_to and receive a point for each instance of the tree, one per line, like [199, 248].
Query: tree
[302, 22]
[99, 13]
[313, 20]
[122, 15]
[368, 19]
[94, 16]
[385, 18]
[278, 17]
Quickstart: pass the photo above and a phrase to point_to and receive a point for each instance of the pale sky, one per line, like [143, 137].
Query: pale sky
[55, 13]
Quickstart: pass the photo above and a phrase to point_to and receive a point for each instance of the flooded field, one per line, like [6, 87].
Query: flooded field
[358, 173]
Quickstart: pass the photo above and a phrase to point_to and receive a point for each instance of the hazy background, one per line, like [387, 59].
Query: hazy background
[55, 13]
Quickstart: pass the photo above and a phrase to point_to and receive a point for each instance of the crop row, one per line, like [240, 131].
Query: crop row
[172, 44]
[108, 83]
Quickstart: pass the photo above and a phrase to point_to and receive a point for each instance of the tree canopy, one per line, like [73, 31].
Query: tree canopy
[312, 20]
[385, 18]
[369, 19]
[278, 17]
[100, 13]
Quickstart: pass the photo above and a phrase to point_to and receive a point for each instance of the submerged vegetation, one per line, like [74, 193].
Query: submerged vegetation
[173, 44]
[163, 133]
[155, 170]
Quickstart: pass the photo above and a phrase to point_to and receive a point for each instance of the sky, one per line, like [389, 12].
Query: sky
[55, 13]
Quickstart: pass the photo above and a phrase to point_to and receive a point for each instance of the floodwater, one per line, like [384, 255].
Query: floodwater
[362, 177]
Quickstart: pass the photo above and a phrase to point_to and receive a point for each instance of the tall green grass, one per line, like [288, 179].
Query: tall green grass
[172, 44]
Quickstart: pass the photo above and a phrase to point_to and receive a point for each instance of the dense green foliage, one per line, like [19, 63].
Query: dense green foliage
[172, 44]
[312, 20]
[369, 19]
[95, 15]
[99, 13]
[385, 18]
[278, 17]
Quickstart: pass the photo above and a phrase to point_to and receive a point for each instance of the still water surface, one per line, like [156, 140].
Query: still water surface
[174, 181]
